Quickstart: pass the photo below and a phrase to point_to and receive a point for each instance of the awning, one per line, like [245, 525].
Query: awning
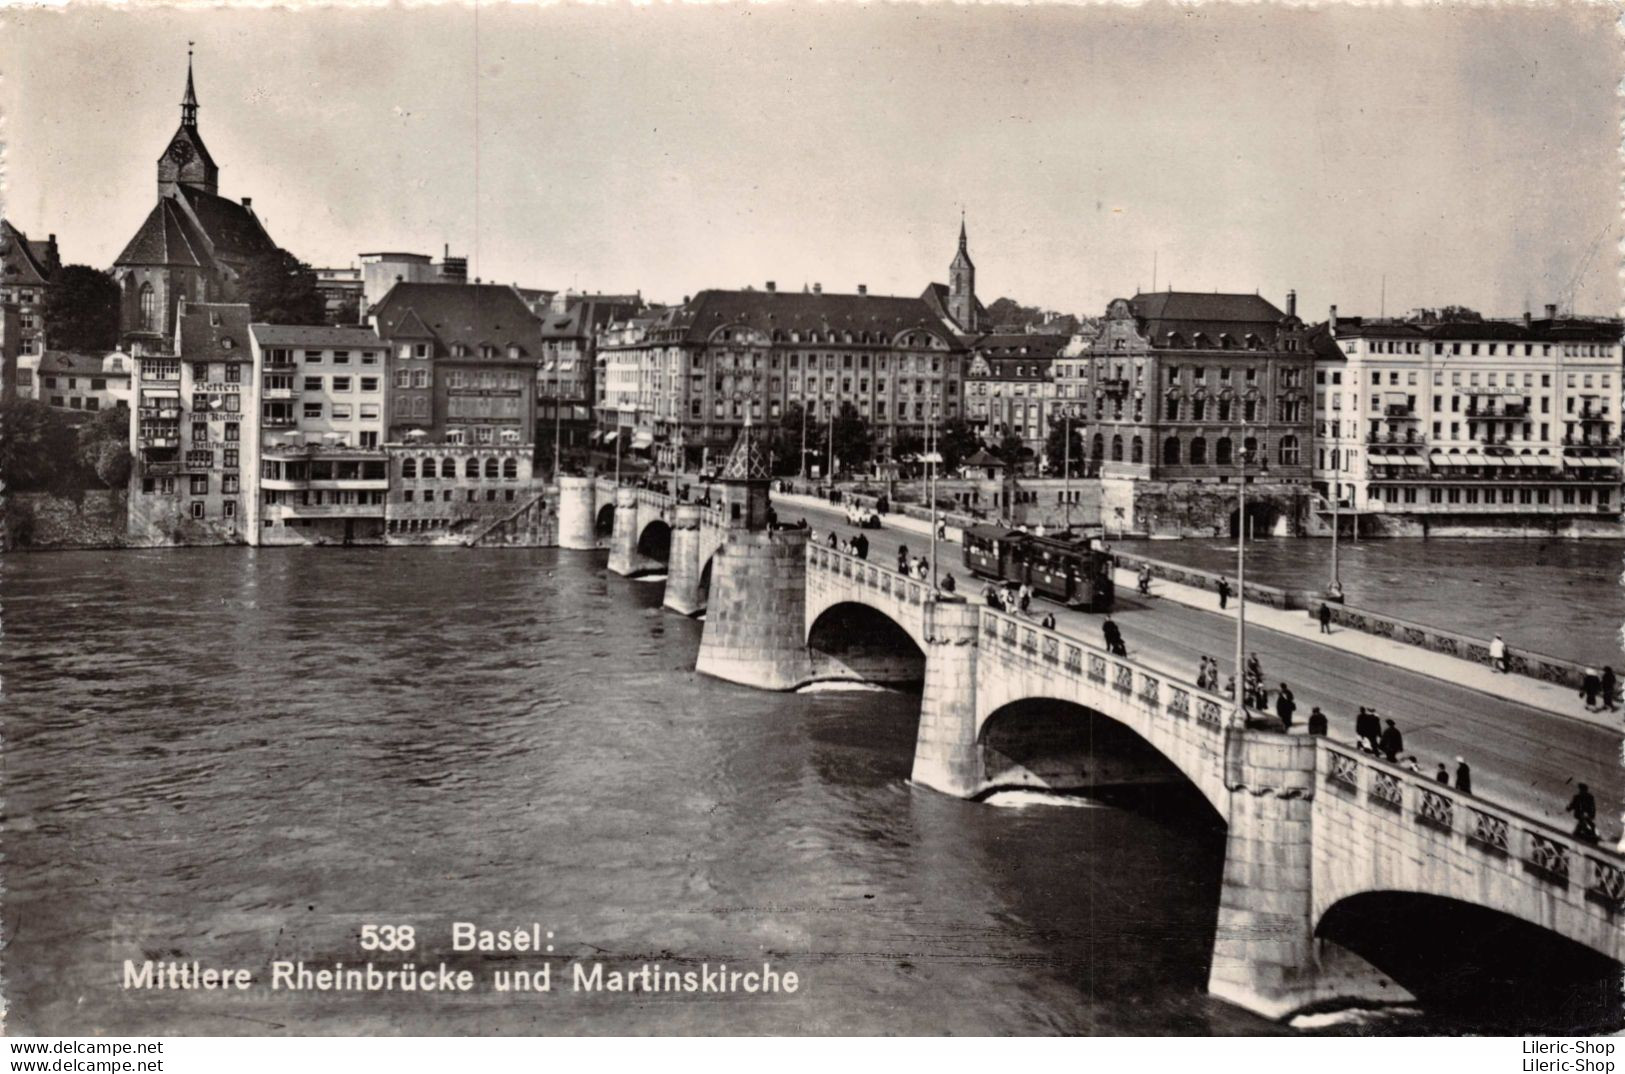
[1500, 460]
[642, 439]
[1439, 458]
[1607, 464]
[1407, 460]
[160, 393]
[594, 437]
[609, 438]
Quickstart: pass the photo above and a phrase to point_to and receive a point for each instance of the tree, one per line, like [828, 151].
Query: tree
[854, 442]
[82, 310]
[281, 289]
[104, 446]
[956, 441]
[37, 448]
[786, 441]
[1056, 451]
[1012, 449]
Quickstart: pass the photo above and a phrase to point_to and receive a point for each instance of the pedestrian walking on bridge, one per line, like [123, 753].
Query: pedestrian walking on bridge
[1367, 728]
[1114, 638]
[1224, 593]
[1393, 743]
[1498, 654]
[1584, 808]
[1317, 722]
[1285, 706]
[902, 559]
[1442, 775]
[1325, 617]
[1610, 688]
[1590, 687]
[1464, 776]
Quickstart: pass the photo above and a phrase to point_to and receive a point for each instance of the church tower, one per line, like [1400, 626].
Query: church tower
[962, 286]
[187, 159]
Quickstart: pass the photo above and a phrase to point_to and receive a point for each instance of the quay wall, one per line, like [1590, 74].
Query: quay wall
[96, 518]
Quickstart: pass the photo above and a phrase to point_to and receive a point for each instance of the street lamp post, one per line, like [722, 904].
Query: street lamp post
[931, 488]
[1239, 712]
[556, 392]
[803, 443]
[1335, 590]
[1066, 470]
[830, 443]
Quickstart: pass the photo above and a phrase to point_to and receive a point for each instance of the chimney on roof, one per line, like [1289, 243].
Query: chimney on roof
[248, 203]
[1551, 311]
[1292, 303]
[445, 251]
[1528, 318]
[772, 286]
[818, 288]
[863, 288]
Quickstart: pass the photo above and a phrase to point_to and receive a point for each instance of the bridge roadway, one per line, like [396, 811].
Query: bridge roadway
[1523, 756]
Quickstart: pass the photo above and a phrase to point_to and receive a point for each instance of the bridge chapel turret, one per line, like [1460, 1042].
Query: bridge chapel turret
[187, 159]
[962, 286]
[745, 480]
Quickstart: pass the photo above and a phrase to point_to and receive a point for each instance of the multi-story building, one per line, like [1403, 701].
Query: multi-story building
[382, 271]
[1010, 388]
[1183, 381]
[193, 247]
[195, 412]
[1462, 420]
[462, 363]
[566, 377]
[27, 270]
[319, 469]
[70, 381]
[724, 357]
[343, 294]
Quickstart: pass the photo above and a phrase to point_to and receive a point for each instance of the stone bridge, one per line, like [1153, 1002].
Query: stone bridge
[646, 532]
[1310, 824]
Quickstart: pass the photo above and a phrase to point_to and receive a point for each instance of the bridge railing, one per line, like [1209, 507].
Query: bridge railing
[1175, 699]
[1494, 830]
[869, 574]
[651, 498]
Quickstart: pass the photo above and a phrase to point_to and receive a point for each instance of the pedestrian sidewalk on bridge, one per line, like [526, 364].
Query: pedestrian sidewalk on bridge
[1549, 697]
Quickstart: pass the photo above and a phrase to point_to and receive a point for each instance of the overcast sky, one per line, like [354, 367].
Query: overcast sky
[1468, 156]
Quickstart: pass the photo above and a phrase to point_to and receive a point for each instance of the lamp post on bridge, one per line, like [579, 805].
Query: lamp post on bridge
[1239, 710]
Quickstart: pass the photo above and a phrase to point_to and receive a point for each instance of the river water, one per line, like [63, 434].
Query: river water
[1558, 597]
[238, 756]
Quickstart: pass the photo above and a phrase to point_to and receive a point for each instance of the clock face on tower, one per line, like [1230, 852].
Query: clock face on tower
[180, 152]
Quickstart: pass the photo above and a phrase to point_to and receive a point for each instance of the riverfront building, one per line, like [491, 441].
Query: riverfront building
[319, 467]
[72, 381]
[195, 410]
[1423, 420]
[27, 270]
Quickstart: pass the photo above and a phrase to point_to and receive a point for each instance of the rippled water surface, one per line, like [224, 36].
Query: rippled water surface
[236, 756]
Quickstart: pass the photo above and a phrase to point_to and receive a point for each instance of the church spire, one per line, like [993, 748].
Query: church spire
[963, 243]
[189, 102]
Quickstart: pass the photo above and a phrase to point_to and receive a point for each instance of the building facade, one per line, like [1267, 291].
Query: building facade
[1477, 419]
[319, 469]
[1181, 383]
[70, 381]
[27, 270]
[194, 414]
[1010, 388]
[705, 368]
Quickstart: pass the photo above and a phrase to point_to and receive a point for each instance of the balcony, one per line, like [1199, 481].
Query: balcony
[280, 362]
[1509, 412]
[324, 510]
[1114, 385]
[167, 468]
[278, 421]
[280, 393]
[159, 441]
[1591, 413]
[1399, 410]
[1410, 437]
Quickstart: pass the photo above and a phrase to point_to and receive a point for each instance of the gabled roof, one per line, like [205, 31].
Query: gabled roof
[587, 316]
[214, 332]
[1020, 345]
[20, 262]
[983, 458]
[882, 317]
[748, 461]
[313, 335]
[936, 297]
[80, 363]
[166, 237]
[460, 313]
[233, 228]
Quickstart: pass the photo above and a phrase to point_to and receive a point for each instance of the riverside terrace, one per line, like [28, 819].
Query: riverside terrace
[1312, 825]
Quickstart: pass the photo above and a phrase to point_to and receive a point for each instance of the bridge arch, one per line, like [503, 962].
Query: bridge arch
[855, 640]
[655, 541]
[604, 523]
[1061, 745]
[1519, 975]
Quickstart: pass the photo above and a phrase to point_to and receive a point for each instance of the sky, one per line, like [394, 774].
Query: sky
[1378, 158]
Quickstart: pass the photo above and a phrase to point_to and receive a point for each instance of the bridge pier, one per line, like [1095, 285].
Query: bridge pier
[683, 572]
[623, 542]
[754, 621]
[946, 755]
[578, 511]
[1266, 956]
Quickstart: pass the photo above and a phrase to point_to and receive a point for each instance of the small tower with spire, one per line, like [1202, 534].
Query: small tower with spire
[962, 285]
[186, 161]
[745, 479]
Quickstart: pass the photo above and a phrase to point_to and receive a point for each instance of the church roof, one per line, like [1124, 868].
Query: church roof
[166, 237]
[936, 296]
[748, 461]
[460, 313]
[233, 228]
[778, 313]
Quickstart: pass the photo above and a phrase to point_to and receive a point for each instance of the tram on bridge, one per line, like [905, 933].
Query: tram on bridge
[1064, 567]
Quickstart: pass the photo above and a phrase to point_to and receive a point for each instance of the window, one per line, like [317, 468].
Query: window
[510, 469]
[471, 468]
[341, 384]
[149, 308]
[1198, 455]
[228, 484]
[1170, 451]
[369, 384]
[403, 378]
[341, 357]
[341, 411]
[369, 411]
[1289, 451]
[409, 469]
[197, 508]
[420, 378]
[1138, 450]
[1222, 452]
[200, 484]
[313, 384]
